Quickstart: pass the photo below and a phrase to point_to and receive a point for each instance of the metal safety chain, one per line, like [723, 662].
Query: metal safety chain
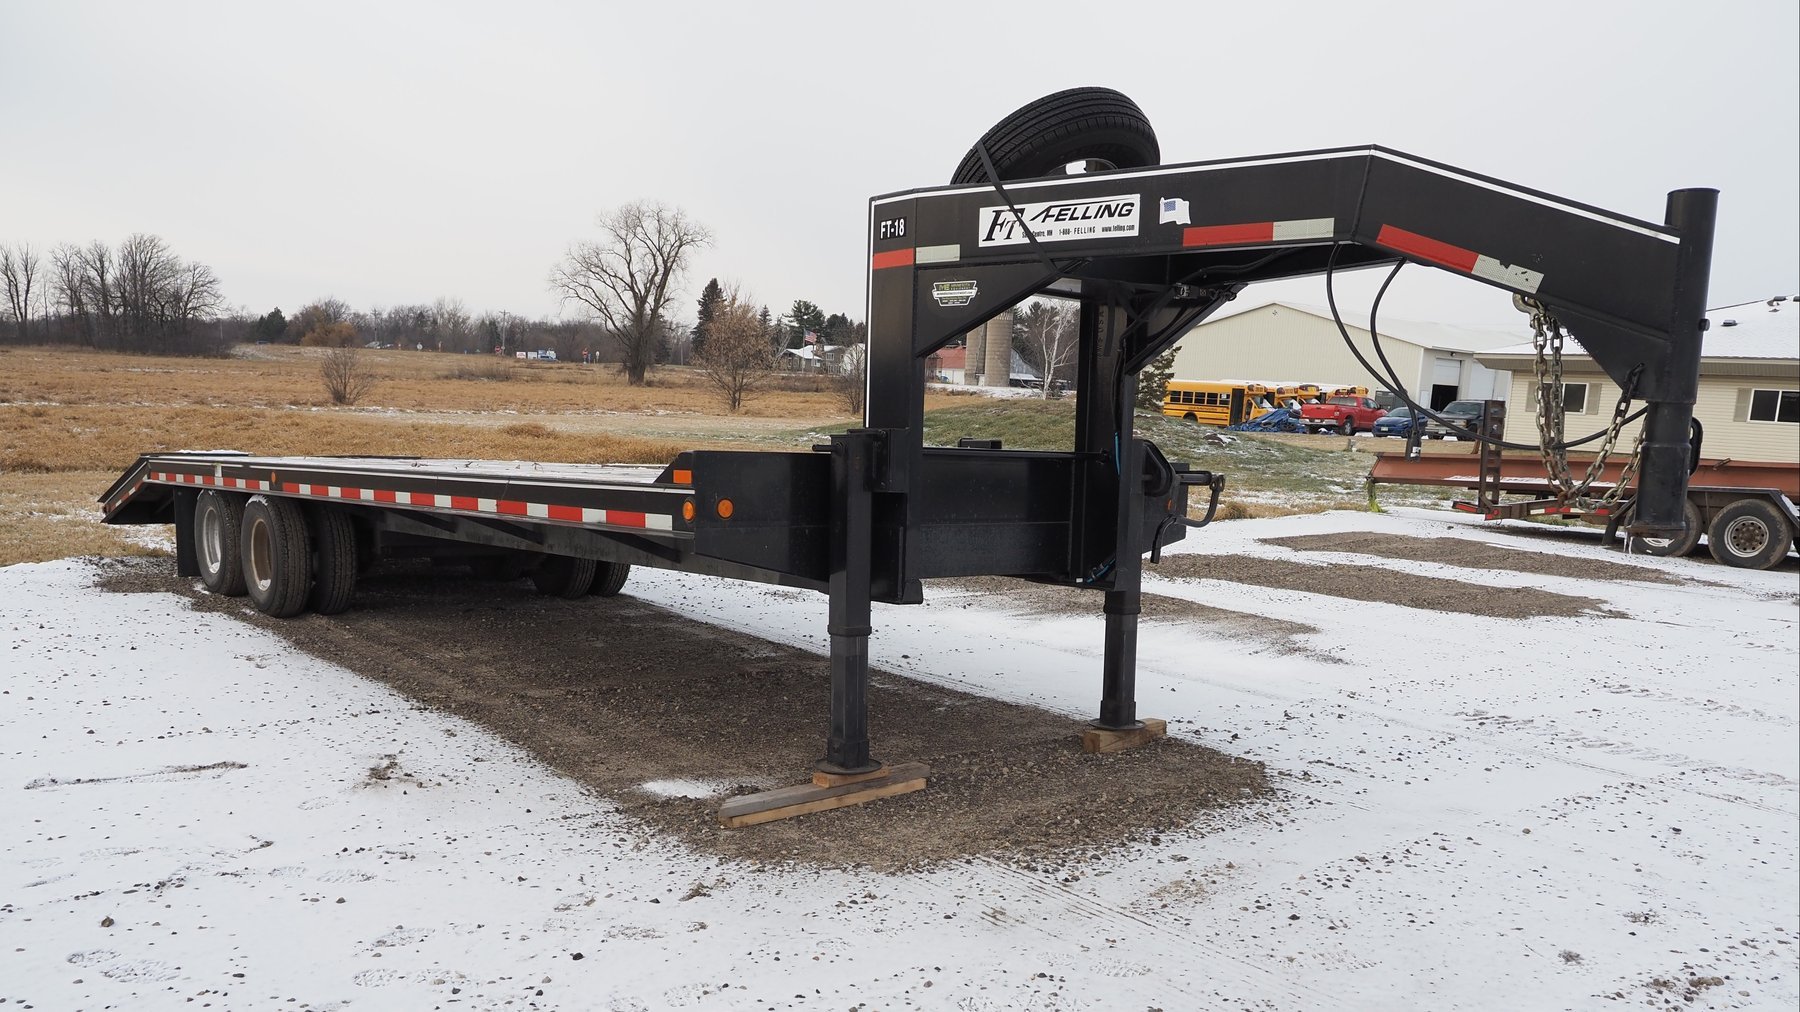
[1547, 339]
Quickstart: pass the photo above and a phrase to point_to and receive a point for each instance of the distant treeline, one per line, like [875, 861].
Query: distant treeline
[138, 296]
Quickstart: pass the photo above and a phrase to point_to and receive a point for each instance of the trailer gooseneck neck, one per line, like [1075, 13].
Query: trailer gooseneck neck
[1147, 253]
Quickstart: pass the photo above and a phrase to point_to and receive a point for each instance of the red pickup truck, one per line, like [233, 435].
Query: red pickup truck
[1348, 415]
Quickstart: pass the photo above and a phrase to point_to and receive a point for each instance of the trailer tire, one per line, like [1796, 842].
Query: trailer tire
[563, 576]
[218, 519]
[1749, 534]
[609, 578]
[1672, 547]
[276, 555]
[334, 561]
[1080, 124]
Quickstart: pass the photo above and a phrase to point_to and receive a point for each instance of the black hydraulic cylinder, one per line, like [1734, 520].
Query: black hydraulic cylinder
[1663, 473]
[847, 748]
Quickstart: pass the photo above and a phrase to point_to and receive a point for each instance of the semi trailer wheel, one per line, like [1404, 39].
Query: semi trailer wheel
[218, 518]
[276, 556]
[1098, 126]
[563, 576]
[1673, 547]
[609, 578]
[334, 562]
[1749, 534]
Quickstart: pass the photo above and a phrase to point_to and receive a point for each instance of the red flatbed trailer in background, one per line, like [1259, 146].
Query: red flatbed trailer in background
[1751, 503]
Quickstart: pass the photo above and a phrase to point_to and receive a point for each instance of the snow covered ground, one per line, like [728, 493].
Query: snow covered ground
[1473, 813]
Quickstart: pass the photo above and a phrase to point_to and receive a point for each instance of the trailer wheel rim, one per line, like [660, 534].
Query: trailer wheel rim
[1746, 536]
[212, 541]
[261, 563]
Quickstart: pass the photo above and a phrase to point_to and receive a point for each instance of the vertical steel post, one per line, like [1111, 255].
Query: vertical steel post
[1662, 485]
[847, 748]
[1118, 676]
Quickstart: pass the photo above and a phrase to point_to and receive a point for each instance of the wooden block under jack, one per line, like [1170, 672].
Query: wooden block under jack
[804, 799]
[1096, 739]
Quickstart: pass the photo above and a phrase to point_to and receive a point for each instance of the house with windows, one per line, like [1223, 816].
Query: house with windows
[1749, 398]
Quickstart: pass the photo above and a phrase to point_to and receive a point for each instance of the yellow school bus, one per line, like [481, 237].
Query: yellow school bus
[1215, 403]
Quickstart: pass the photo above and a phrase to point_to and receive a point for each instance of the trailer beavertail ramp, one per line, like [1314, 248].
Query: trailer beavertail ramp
[1146, 250]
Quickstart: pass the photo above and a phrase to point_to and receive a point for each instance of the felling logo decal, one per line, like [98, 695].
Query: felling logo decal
[953, 293]
[1061, 220]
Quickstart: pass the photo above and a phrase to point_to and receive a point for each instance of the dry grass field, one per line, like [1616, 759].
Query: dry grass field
[72, 420]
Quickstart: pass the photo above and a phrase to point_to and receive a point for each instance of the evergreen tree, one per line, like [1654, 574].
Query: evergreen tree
[1153, 381]
[836, 330]
[709, 307]
[804, 316]
[270, 327]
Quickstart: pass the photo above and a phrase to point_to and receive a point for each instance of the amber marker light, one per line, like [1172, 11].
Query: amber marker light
[725, 509]
[688, 511]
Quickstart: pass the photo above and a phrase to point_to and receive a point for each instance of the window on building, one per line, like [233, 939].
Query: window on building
[1575, 397]
[1775, 405]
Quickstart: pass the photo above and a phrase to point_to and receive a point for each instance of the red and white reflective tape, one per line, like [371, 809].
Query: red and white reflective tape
[1456, 258]
[433, 500]
[1259, 231]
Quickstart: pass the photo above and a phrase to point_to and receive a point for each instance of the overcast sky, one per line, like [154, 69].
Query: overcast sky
[395, 152]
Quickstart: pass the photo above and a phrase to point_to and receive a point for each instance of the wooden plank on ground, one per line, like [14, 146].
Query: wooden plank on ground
[804, 799]
[1096, 739]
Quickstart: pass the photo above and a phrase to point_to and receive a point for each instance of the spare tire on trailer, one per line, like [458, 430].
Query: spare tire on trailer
[1095, 125]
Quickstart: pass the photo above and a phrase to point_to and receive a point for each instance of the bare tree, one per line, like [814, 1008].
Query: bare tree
[450, 321]
[853, 380]
[1047, 329]
[737, 357]
[628, 279]
[347, 377]
[18, 272]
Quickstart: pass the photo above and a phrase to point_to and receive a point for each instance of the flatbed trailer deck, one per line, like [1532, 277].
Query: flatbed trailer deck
[870, 515]
[1751, 503]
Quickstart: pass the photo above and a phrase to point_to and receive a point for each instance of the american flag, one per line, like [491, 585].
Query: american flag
[811, 338]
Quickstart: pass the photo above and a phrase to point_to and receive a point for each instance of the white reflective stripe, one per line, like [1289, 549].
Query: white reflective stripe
[1306, 228]
[443, 501]
[592, 516]
[1522, 278]
[1604, 219]
[368, 494]
[334, 491]
[937, 254]
[537, 509]
[487, 505]
[658, 521]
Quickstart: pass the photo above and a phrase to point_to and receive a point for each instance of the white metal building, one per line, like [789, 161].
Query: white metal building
[1749, 398]
[1289, 342]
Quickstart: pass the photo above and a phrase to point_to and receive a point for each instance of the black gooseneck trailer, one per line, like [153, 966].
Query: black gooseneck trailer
[1147, 252]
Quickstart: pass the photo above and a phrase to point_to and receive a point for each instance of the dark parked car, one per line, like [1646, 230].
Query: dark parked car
[1464, 417]
[1397, 422]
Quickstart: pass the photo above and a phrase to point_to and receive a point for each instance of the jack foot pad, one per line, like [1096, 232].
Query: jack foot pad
[787, 802]
[1099, 739]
